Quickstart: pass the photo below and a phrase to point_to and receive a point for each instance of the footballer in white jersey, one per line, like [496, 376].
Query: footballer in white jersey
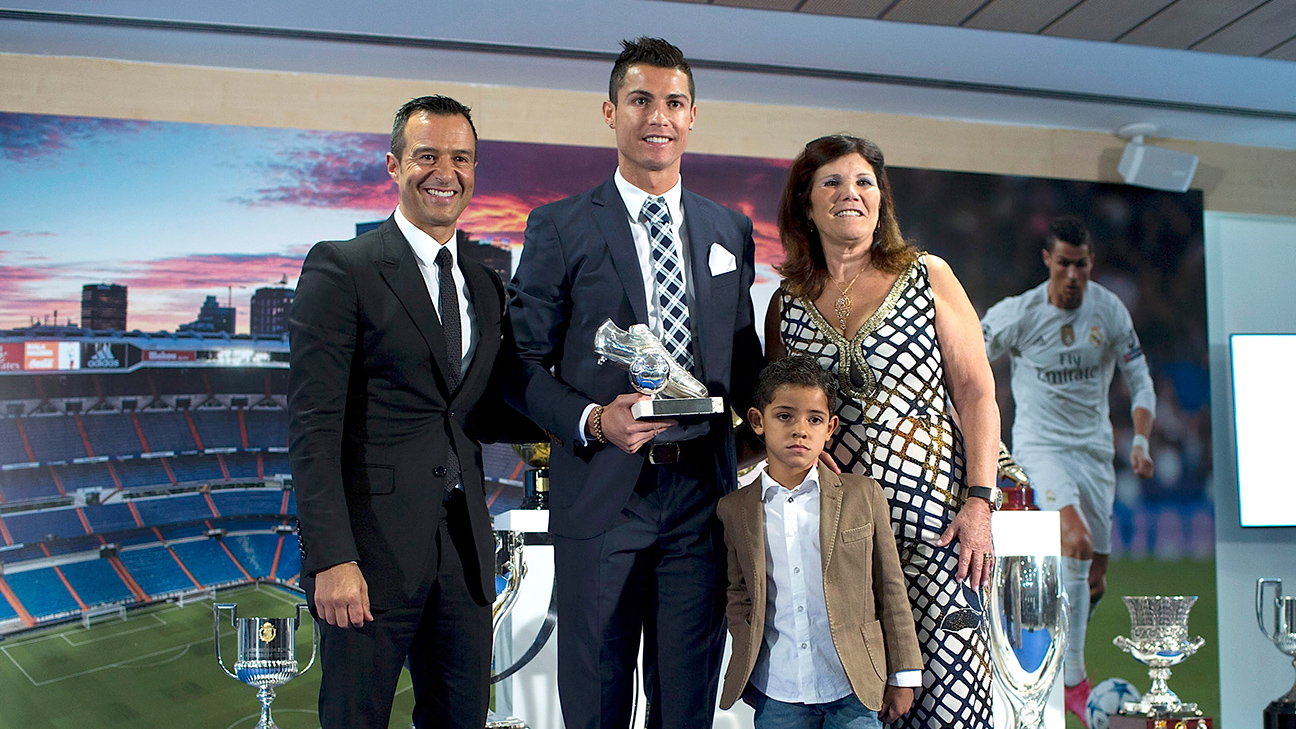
[1065, 339]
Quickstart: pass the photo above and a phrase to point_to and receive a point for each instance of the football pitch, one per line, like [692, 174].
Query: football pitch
[155, 669]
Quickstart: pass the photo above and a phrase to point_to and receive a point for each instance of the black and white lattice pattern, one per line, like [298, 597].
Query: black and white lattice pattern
[669, 275]
[895, 427]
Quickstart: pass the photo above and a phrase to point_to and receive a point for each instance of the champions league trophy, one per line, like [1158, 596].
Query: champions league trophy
[1159, 639]
[1281, 712]
[1028, 632]
[653, 371]
[512, 568]
[267, 653]
[535, 484]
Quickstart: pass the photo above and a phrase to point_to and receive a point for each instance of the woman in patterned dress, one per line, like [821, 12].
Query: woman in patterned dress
[897, 329]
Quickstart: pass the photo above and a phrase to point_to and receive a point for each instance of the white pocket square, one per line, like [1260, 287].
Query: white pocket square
[721, 260]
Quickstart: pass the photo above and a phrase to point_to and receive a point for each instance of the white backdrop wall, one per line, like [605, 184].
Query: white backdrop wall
[1250, 281]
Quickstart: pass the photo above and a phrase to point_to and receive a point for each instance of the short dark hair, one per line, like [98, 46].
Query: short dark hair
[804, 268]
[1069, 229]
[654, 52]
[799, 370]
[436, 105]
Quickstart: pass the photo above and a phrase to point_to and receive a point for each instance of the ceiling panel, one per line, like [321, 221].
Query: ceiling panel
[849, 8]
[933, 12]
[1187, 21]
[1019, 16]
[1284, 52]
[761, 4]
[1267, 26]
[1104, 20]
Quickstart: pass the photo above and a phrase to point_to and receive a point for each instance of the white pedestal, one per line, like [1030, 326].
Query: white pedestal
[531, 694]
[1028, 533]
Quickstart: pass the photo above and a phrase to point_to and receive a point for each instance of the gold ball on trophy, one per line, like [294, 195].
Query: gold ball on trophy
[535, 455]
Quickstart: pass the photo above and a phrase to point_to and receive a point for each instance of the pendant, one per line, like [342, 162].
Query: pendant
[843, 309]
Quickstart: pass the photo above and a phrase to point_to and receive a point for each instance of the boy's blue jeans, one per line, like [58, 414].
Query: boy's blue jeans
[845, 713]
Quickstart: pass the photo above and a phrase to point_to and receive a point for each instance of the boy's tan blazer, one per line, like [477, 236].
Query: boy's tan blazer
[868, 609]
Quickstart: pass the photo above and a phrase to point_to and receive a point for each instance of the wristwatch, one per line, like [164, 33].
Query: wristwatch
[991, 494]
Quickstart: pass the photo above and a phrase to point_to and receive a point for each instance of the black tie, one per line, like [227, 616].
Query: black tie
[454, 348]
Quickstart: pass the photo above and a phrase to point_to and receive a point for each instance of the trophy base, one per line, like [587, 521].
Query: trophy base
[1160, 721]
[495, 721]
[1280, 715]
[677, 407]
[535, 489]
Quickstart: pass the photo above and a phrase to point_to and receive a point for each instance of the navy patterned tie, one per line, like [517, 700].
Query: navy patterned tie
[669, 276]
[454, 347]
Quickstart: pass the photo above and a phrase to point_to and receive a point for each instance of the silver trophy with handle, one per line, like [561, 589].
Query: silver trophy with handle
[1159, 639]
[267, 653]
[1028, 632]
[1281, 712]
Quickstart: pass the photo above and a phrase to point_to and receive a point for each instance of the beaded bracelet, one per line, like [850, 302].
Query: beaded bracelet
[596, 424]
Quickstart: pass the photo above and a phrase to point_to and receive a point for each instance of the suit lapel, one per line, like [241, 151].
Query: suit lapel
[610, 215]
[484, 300]
[401, 272]
[700, 235]
[830, 504]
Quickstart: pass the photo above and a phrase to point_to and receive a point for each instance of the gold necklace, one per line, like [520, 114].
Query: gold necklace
[842, 306]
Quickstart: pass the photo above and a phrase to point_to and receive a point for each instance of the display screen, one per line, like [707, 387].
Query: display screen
[1264, 418]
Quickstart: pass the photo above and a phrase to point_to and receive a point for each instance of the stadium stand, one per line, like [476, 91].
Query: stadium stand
[289, 560]
[27, 484]
[217, 428]
[142, 472]
[85, 475]
[166, 431]
[105, 518]
[6, 610]
[112, 434]
[42, 592]
[241, 466]
[187, 531]
[254, 551]
[248, 502]
[196, 469]
[172, 509]
[72, 546]
[266, 428]
[11, 447]
[54, 437]
[37, 526]
[96, 582]
[275, 464]
[155, 570]
[20, 554]
[208, 562]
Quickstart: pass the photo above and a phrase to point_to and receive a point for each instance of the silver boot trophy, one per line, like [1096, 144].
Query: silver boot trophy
[1281, 712]
[1028, 632]
[267, 653]
[653, 371]
[1159, 639]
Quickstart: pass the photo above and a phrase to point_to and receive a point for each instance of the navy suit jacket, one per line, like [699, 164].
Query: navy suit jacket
[579, 268]
[371, 417]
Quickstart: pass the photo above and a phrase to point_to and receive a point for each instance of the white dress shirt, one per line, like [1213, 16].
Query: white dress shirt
[798, 660]
[425, 251]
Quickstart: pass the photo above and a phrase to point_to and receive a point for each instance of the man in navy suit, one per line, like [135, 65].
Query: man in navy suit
[637, 545]
[394, 338]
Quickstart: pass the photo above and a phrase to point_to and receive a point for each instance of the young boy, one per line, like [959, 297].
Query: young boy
[805, 543]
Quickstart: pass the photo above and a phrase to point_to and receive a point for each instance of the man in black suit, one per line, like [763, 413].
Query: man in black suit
[632, 510]
[394, 337]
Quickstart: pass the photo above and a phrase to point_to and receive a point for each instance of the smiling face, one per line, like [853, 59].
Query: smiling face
[1069, 267]
[652, 118]
[435, 172]
[845, 201]
[796, 425]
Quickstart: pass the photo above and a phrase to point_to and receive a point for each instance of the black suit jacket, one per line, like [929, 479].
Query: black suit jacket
[372, 418]
[578, 268]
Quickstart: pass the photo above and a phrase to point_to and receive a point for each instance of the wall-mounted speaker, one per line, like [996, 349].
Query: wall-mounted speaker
[1156, 167]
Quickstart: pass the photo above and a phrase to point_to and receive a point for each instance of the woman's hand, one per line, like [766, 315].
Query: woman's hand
[971, 527]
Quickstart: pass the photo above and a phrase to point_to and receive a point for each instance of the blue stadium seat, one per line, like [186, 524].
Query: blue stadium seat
[142, 473]
[249, 502]
[155, 570]
[24, 553]
[289, 559]
[172, 509]
[133, 538]
[96, 582]
[500, 461]
[85, 475]
[105, 518]
[254, 551]
[266, 428]
[42, 592]
[6, 610]
[28, 484]
[242, 466]
[208, 562]
[37, 526]
[112, 434]
[196, 469]
[11, 448]
[54, 437]
[166, 431]
[218, 428]
[292, 502]
[275, 464]
[173, 533]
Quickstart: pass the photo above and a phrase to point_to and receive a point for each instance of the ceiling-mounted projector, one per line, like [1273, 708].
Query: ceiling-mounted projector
[1155, 167]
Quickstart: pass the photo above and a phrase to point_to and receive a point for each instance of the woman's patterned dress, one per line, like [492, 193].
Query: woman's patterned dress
[895, 427]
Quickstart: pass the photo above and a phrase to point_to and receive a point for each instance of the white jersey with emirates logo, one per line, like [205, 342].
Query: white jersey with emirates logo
[1062, 365]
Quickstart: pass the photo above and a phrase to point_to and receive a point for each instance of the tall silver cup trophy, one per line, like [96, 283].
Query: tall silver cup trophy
[267, 653]
[1281, 712]
[510, 566]
[1159, 639]
[653, 372]
[1028, 632]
